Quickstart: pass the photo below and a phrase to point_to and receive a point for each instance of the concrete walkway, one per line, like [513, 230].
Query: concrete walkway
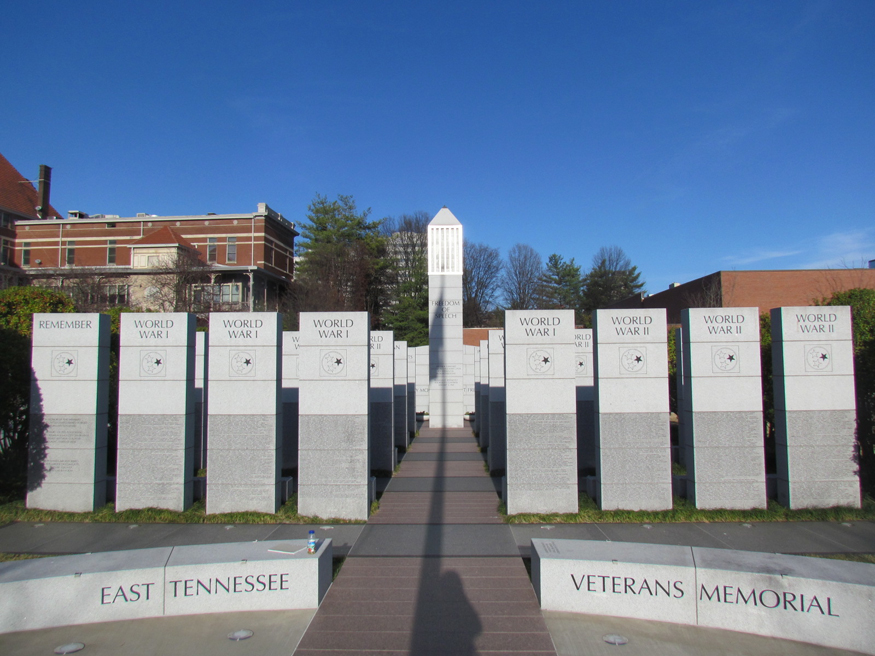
[434, 571]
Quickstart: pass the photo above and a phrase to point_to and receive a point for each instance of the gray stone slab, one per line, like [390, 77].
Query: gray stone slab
[435, 540]
[448, 484]
[276, 633]
[443, 456]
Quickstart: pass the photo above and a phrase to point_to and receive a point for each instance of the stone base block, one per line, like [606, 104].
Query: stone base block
[560, 500]
[737, 495]
[68, 497]
[818, 494]
[154, 495]
[223, 498]
[636, 496]
[334, 501]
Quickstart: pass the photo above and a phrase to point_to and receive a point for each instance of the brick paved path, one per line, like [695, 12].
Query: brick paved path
[456, 601]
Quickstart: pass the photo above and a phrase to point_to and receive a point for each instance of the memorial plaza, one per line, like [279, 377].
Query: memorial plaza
[447, 438]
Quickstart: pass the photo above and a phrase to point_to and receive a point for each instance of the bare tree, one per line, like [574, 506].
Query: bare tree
[408, 241]
[480, 283]
[611, 279]
[522, 277]
[176, 281]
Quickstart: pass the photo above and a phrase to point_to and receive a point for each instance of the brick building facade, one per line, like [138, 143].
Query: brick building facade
[762, 289]
[196, 263]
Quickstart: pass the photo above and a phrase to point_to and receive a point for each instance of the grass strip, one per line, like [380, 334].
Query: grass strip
[853, 557]
[15, 511]
[683, 511]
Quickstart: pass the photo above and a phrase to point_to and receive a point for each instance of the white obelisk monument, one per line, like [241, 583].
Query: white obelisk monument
[446, 352]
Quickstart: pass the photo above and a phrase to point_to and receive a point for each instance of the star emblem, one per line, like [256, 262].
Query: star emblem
[824, 357]
[545, 360]
[247, 361]
[69, 361]
[338, 361]
[157, 362]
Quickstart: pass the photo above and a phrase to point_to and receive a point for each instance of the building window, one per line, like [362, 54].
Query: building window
[110, 251]
[152, 260]
[232, 250]
[117, 294]
[229, 292]
[71, 253]
[4, 252]
[25, 253]
[211, 249]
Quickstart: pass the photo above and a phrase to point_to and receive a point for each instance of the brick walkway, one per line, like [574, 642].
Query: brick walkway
[437, 604]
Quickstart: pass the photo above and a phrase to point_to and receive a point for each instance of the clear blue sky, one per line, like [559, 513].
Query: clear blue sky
[697, 136]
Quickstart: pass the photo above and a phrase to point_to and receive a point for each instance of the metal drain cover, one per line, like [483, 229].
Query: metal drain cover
[615, 639]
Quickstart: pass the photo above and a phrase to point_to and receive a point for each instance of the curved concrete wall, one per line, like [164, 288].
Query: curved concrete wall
[823, 602]
[140, 583]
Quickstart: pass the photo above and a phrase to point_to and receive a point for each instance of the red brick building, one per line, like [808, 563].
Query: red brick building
[19, 200]
[762, 289]
[215, 261]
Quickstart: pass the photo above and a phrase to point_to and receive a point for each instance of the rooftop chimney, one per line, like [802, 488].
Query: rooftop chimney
[45, 185]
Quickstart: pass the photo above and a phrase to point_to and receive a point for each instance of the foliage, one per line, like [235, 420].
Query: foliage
[480, 284]
[17, 307]
[862, 303]
[16, 511]
[407, 275]
[768, 391]
[522, 277]
[561, 286]
[611, 279]
[344, 259]
[673, 372]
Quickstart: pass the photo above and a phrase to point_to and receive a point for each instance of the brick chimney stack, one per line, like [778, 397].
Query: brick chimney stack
[45, 185]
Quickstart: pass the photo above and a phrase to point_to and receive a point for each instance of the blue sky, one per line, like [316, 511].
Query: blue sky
[697, 136]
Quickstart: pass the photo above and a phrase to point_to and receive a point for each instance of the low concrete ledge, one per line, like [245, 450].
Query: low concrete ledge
[823, 602]
[140, 583]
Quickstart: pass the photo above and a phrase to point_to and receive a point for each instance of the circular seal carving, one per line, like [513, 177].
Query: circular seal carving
[540, 361]
[725, 359]
[632, 360]
[64, 363]
[242, 363]
[333, 363]
[152, 364]
[817, 358]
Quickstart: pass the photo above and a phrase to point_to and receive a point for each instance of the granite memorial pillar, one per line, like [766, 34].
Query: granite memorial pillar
[541, 411]
[815, 407]
[722, 375]
[334, 453]
[583, 380]
[382, 395]
[291, 353]
[402, 432]
[633, 447]
[446, 350]
[244, 458]
[69, 397]
[496, 456]
[156, 411]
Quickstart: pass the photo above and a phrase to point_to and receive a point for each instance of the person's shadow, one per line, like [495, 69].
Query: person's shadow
[446, 622]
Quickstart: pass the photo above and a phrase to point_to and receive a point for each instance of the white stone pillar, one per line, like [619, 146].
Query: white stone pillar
[69, 396]
[483, 436]
[291, 353]
[156, 417]
[382, 395]
[541, 411]
[583, 381]
[633, 446]
[401, 429]
[722, 374]
[497, 453]
[815, 407]
[421, 376]
[446, 350]
[245, 412]
[334, 454]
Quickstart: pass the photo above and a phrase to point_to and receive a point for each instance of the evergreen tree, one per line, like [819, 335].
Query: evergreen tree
[611, 279]
[561, 285]
[344, 263]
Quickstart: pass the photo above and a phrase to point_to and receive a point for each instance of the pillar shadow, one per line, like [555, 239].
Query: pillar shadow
[445, 622]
